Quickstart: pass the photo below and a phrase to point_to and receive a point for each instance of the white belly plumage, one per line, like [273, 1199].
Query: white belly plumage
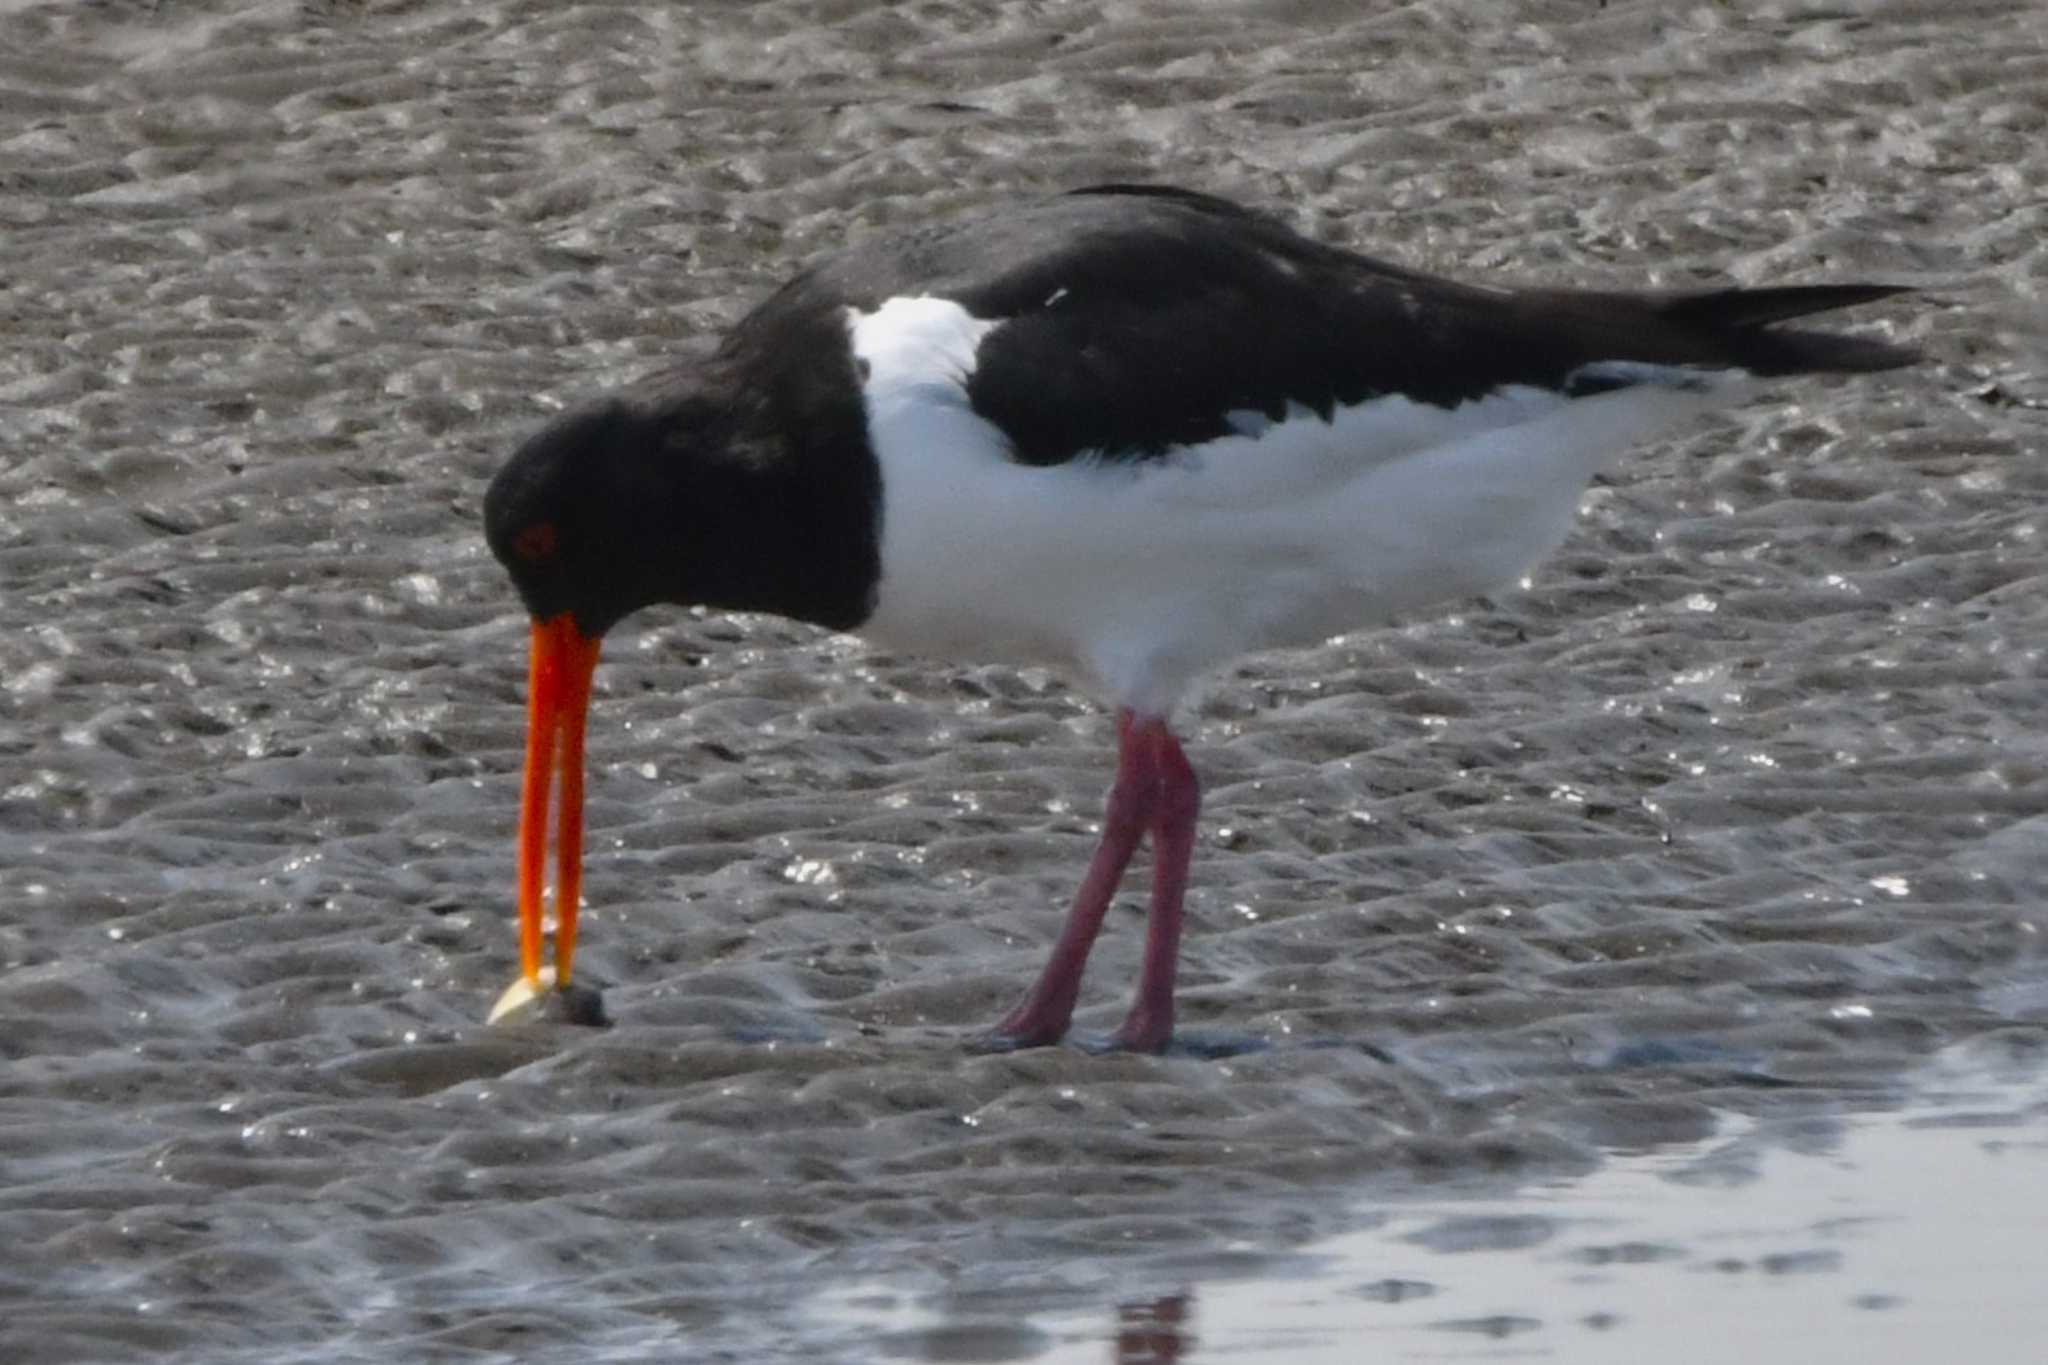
[1139, 575]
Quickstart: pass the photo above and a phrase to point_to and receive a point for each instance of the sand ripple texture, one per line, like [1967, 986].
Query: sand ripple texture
[1739, 806]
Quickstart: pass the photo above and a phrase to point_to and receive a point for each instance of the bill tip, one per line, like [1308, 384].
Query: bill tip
[540, 1000]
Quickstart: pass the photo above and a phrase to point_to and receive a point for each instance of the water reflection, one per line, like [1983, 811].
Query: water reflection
[1155, 1331]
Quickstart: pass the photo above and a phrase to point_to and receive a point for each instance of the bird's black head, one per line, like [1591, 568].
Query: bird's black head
[575, 515]
[690, 494]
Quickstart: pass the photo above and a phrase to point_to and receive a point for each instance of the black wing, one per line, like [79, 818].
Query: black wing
[1138, 318]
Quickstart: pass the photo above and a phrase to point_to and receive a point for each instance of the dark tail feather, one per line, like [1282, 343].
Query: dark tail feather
[1741, 320]
[1762, 307]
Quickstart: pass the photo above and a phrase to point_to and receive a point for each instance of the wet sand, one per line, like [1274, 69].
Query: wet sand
[1728, 823]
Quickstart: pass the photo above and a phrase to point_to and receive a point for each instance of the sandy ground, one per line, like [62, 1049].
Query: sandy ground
[1735, 816]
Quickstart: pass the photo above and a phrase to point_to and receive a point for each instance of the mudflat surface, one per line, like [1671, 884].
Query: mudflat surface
[1735, 815]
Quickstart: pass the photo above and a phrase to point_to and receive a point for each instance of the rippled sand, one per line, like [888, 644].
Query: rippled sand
[1734, 817]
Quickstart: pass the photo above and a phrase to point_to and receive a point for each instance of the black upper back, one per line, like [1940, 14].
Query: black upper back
[1139, 317]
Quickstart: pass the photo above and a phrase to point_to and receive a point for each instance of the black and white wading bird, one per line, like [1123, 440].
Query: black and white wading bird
[1130, 432]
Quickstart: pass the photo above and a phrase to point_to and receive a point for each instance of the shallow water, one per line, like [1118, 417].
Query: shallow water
[1911, 1234]
[1725, 826]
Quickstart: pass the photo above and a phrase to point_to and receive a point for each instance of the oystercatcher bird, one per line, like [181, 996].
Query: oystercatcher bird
[1130, 432]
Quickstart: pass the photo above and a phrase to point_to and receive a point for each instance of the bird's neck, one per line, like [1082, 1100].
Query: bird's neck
[786, 521]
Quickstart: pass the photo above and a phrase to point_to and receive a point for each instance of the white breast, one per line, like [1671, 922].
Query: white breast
[1140, 575]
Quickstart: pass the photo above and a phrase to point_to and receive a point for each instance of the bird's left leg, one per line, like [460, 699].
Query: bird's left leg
[1041, 1017]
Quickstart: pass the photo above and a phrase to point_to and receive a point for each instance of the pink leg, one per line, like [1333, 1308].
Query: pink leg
[1042, 1016]
[1179, 798]
[1155, 790]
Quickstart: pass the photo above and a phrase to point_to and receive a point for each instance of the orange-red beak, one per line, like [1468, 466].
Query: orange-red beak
[557, 703]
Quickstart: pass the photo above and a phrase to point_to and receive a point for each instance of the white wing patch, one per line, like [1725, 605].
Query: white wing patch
[918, 353]
[1141, 575]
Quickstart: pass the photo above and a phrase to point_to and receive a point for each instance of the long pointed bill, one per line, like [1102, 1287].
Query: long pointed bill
[557, 702]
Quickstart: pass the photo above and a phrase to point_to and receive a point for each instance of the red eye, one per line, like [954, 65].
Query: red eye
[535, 544]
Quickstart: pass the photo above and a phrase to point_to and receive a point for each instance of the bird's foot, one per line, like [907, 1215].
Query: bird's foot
[1144, 1030]
[1023, 1029]
[998, 1040]
[1040, 1020]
